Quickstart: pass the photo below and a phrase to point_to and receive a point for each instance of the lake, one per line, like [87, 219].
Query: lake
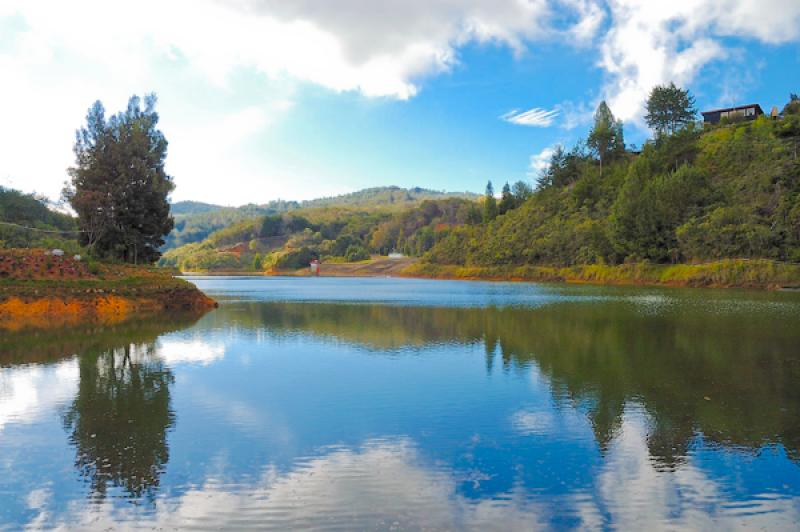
[363, 404]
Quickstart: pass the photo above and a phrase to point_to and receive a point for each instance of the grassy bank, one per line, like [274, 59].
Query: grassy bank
[40, 290]
[729, 273]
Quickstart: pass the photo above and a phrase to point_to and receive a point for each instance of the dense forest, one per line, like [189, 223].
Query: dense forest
[696, 192]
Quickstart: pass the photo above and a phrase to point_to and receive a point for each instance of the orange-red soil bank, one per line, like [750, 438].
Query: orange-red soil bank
[40, 290]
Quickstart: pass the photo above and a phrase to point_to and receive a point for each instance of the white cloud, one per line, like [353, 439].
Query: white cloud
[575, 115]
[387, 483]
[62, 56]
[28, 393]
[378, 48]
[590, 17]
[651, 43]
[382, 484]
[538, 423]
[535, 117]
[641, 496]
[540, 161]
[194, 53]
[190, 351]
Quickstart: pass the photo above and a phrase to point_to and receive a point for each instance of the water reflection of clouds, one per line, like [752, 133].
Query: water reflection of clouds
[176, 351]
[563, 424]
[631, 492]
[637, 494]
[258, 421]
[380, 485]
[29, 392]
[386, 483]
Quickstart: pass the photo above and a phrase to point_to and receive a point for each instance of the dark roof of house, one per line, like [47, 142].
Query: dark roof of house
[738, 107]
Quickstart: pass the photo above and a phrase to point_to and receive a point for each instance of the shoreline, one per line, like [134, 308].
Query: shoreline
[760, 274]
[42, 291]
[730, 273]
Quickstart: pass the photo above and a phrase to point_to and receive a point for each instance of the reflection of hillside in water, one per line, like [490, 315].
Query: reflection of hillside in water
[729, 374]
[50, 345]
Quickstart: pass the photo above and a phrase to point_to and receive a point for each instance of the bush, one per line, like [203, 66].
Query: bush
[296, 259]
[356, 253]
[93, 266]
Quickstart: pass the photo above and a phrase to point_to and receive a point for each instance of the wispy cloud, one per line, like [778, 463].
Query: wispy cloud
[536, 117]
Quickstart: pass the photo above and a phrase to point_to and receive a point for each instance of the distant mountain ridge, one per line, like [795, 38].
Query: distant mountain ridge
[195, 220]
[388, 194]
[385, 196]
[193, 207]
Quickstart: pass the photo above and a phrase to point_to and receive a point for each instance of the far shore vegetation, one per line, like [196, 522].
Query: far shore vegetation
[697, 205]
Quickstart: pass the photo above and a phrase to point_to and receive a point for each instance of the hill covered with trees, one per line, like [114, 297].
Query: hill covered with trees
[194, 221]
[340, 233]
[695, 193]
[49, 228]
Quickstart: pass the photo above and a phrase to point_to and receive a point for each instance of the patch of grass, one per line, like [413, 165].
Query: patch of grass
[729, 273]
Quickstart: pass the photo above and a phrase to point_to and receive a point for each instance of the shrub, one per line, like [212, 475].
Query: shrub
[293, 260]
[356, 253]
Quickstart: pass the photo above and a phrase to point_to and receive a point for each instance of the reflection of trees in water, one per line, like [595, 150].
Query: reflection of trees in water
[50, 345]
[730, 375]
[121, 414]
[120, 418]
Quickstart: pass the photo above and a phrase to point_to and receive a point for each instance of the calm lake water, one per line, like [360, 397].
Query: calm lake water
[346, 404]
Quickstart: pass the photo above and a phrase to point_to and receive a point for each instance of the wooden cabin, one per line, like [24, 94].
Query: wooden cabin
[742, 112]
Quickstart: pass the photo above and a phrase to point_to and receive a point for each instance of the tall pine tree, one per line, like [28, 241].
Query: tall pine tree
[489, 204]
[606, 138]
[118, 186]
[506, 200]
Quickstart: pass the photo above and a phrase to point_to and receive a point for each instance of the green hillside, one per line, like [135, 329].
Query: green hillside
[344, 233]
[49, 228]
[701, 194]
[180, 208]
[385, 197]
[698, 194]
[194, 221]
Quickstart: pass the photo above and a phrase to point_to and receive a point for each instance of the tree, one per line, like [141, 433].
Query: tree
[565, 168]
[793, 106]
[118, 186]
[489, 204]
[606, 139]
[257, 262]
[119, 419]
[669, 108]
[506, 200]
[521, 191]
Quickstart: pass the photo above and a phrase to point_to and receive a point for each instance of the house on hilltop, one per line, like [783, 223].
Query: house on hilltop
[743, 112]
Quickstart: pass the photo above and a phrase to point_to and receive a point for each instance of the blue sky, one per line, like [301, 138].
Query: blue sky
[265, 99]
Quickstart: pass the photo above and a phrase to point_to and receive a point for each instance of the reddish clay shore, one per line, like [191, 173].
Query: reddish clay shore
[41, 290]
